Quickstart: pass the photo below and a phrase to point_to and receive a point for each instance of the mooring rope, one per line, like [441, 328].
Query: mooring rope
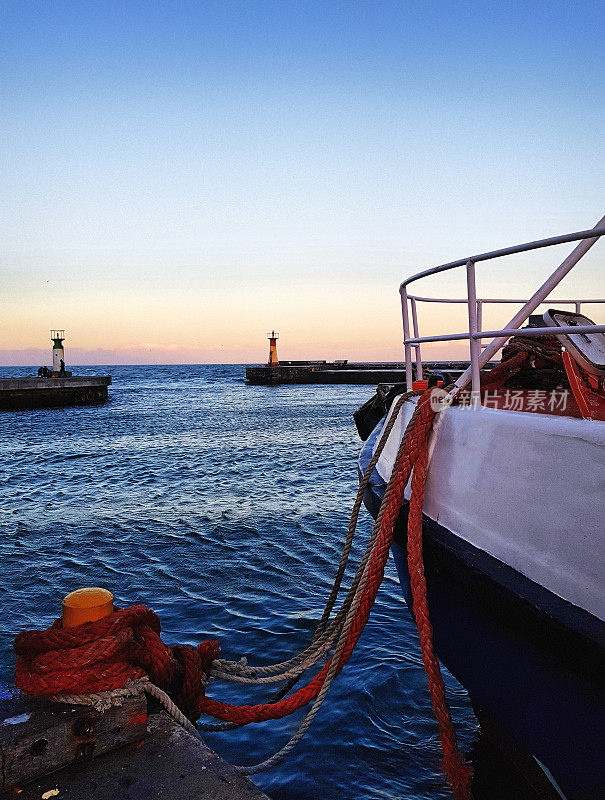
[323, 637]
[292, 669]
[106, 655]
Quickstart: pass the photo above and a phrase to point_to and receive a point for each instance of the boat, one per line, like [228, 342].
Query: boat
[514, 519]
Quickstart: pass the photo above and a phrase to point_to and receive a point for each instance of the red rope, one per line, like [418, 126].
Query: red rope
[104, 655]
[453, 764]
[402, 469]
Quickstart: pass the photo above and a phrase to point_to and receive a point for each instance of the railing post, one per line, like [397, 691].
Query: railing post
[578, 308]
[534, 301]
[416, 334]
[480, 319]
[406, 335]
[475, 344]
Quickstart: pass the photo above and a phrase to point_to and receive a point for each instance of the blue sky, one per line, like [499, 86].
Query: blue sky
[179, 178]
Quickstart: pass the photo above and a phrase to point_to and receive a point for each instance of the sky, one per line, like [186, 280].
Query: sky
[179, 178]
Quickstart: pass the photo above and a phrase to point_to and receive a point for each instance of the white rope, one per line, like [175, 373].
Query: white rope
[326, 636]
[237, 670]
[351, 604]
[102, 701]
[171, 707]
[342, 639]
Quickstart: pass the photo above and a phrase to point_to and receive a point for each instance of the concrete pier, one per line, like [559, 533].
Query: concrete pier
[169, 763]
[19, 393]
[131, 752]
[345, 372]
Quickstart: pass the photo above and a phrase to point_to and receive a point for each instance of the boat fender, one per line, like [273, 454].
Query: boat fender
[368, 415]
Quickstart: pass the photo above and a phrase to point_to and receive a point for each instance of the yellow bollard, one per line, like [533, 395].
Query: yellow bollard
[86, 605]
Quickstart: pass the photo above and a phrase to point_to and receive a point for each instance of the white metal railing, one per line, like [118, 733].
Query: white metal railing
[480, 355]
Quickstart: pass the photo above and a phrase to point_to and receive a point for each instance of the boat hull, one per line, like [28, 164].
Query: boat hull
[531, 662]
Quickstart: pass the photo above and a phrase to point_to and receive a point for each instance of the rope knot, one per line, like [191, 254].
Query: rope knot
[105, 655]
[192, 675]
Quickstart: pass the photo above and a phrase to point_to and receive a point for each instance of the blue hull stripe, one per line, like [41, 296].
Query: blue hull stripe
[531, 662]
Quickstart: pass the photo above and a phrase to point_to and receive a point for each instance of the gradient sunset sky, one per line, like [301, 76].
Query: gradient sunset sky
[179, 178]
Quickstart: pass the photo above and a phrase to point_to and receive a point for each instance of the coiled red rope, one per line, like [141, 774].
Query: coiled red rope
[104, 655]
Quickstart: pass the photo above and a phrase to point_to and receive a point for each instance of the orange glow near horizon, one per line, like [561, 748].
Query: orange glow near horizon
[150, 318]
[361, 323]
[177, 183]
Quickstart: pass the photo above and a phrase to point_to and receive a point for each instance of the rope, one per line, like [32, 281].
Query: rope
[238, 671]
[102, 701]
[358, 587]
[539, 360]
[105, 655]
[375, 556]
[340, 655]
[542, 350]
[458, 772]
[171, 707]
[126, 646]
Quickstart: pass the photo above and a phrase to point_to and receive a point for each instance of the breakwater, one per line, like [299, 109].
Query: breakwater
[19, 393]
[340, 372]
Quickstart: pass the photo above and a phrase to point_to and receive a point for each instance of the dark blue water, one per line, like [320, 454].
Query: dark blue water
[223, 507]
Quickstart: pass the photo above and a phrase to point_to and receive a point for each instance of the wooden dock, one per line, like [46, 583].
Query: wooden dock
[20, 393]
[129, 752]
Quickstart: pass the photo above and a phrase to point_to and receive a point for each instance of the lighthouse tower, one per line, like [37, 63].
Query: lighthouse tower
[58, 338]
[273, 360]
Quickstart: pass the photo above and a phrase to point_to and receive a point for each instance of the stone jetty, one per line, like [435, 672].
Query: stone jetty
[18, 393]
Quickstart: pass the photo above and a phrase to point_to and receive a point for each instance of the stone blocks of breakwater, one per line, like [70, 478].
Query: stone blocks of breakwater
[19, 393]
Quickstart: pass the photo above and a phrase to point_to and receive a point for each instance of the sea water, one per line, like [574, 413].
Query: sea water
[223, 507]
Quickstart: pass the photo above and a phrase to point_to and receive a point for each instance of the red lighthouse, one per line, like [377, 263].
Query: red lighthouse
[273, 360]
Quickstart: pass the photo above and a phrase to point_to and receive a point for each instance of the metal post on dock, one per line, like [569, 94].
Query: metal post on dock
[114, 741]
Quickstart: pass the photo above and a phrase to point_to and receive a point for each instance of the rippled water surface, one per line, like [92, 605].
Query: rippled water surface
[224, 507]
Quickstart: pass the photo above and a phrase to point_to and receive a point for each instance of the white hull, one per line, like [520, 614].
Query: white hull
[526, 488]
